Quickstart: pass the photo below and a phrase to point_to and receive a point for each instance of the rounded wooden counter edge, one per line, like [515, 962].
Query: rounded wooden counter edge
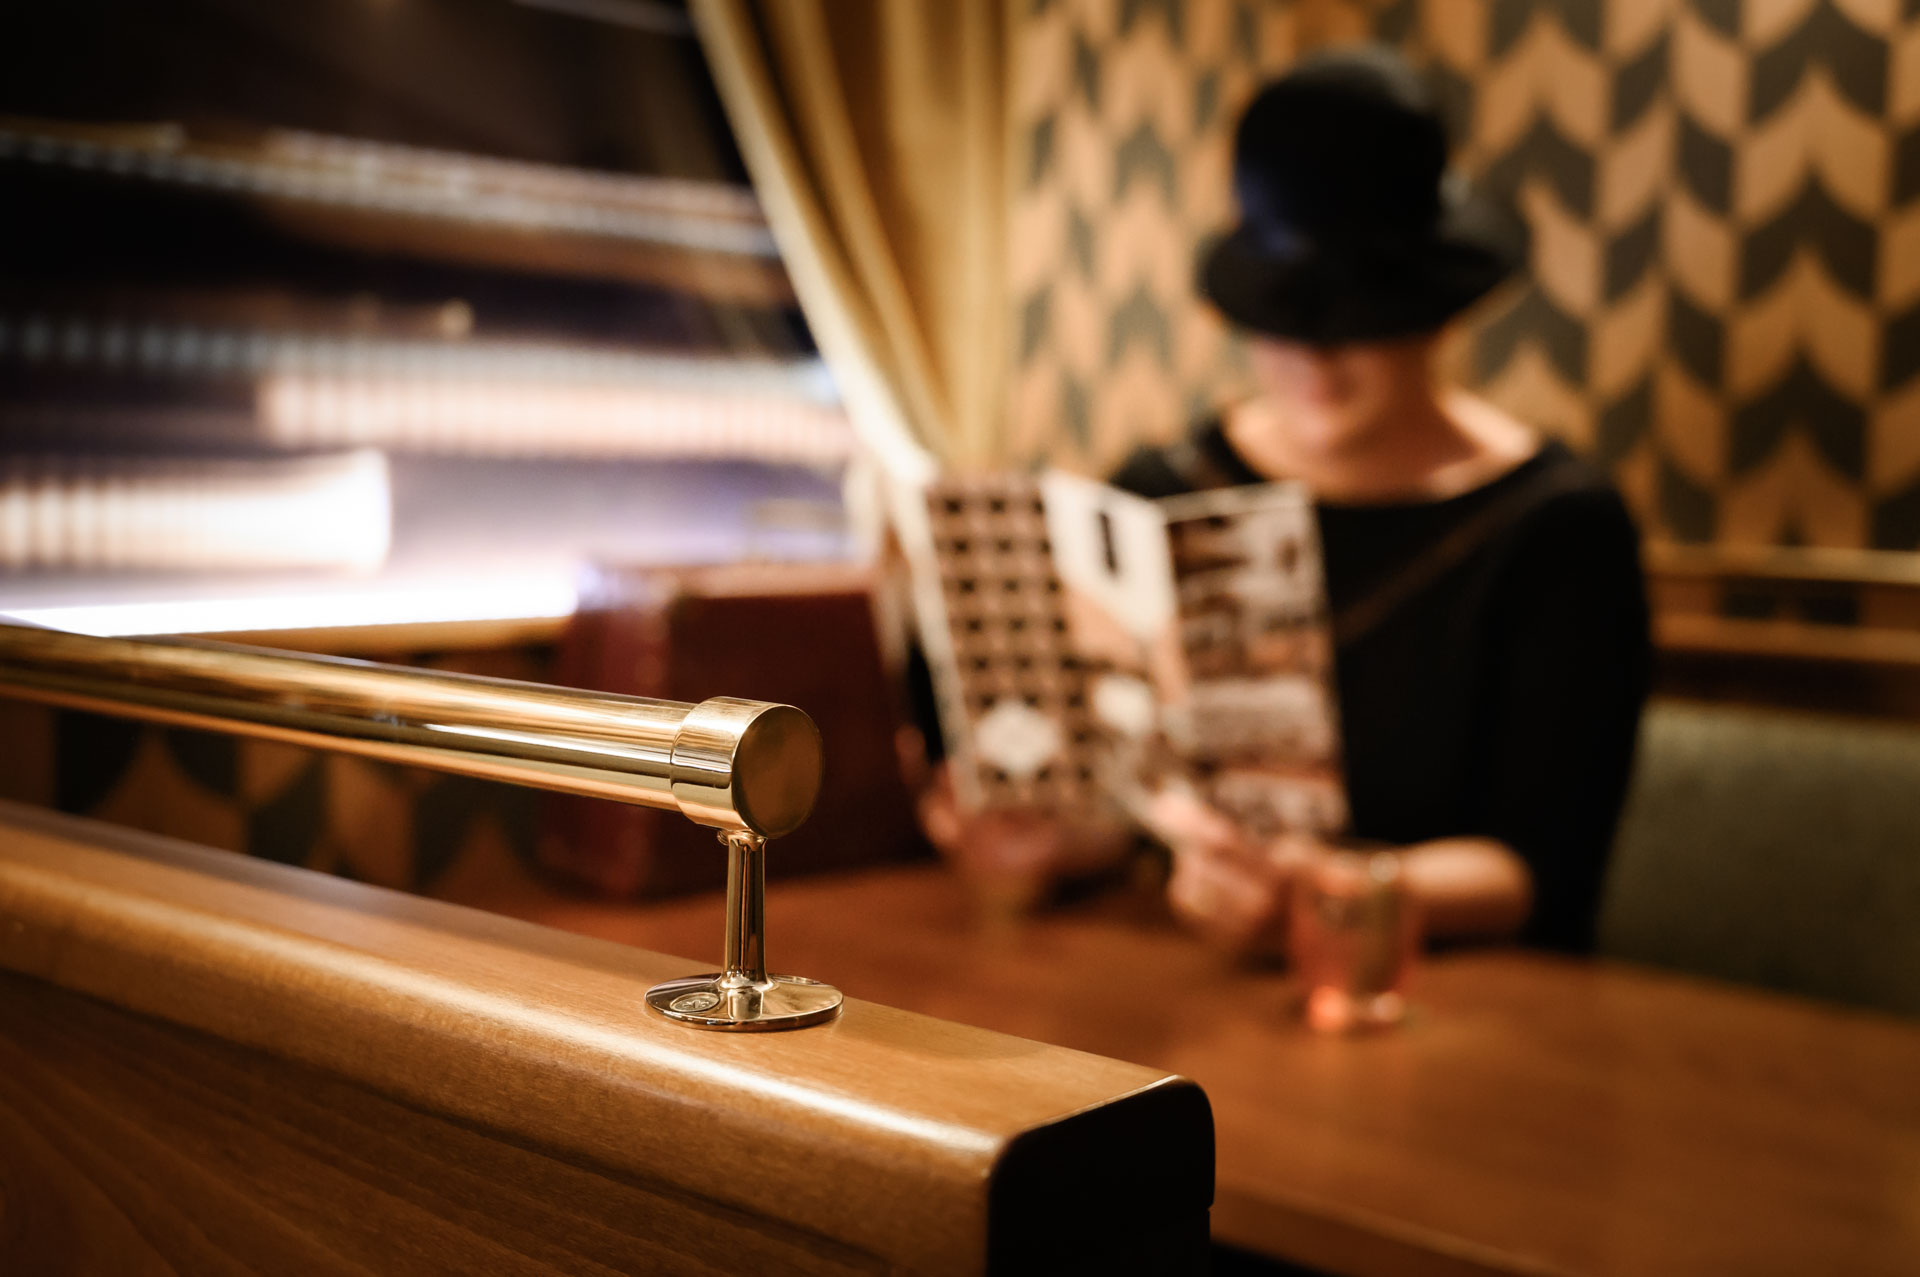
[885, 1130]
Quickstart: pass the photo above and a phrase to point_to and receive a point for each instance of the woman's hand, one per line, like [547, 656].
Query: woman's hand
[1237, 904]
[1013, 856]
[1230, 889]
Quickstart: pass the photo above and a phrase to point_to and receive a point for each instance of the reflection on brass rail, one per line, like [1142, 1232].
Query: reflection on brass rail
[740, 766]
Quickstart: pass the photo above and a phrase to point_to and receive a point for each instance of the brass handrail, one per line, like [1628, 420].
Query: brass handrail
[740, 766]
[750, 769]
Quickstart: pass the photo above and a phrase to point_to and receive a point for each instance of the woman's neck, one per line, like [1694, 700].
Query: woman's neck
[1428, 446]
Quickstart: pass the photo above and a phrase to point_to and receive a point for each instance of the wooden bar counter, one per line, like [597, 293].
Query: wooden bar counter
[1537, 1115]
[210, 1064]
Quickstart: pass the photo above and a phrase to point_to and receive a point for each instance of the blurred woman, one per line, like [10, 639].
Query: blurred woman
[1488, 609]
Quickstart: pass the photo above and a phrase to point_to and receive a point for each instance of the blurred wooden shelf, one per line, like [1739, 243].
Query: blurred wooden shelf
[1670, 559]
[1816, 627]
[1795, 640]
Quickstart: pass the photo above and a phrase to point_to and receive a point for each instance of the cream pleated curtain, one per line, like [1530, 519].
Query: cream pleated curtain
[875, 132]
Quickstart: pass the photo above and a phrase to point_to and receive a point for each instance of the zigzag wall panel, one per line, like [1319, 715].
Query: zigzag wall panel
[1724, 301]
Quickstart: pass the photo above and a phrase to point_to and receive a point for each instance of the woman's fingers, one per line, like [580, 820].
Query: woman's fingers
[1229, 898]
[1187, 824]
[940, 816]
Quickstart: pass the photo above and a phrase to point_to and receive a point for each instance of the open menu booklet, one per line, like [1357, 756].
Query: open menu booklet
[1091, 646]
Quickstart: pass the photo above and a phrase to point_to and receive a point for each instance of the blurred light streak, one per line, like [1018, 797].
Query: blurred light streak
[543, 596]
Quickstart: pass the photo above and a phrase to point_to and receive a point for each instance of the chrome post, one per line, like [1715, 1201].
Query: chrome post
[743, 997]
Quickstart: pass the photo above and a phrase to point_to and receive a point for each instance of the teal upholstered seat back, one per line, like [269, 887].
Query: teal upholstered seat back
[1772, 848]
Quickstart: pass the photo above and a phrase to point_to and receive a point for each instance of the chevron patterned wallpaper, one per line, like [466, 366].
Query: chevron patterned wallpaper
[372, 822]
[1724, 306]
[1124, 111]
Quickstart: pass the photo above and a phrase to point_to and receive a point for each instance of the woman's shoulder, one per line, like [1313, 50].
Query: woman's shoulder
[1575, 519]
[1572, 489]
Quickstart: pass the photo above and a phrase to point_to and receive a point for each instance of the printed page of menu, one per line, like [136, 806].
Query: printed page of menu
[1254, 712]
[1088, 645]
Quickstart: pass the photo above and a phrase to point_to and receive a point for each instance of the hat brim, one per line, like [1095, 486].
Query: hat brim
[1323, 300]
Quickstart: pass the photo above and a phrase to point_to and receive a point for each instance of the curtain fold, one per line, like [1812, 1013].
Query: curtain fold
[875, 132]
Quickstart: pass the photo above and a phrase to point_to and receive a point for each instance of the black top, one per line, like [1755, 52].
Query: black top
[1500, 696]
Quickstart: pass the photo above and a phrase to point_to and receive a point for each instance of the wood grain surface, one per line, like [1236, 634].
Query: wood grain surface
[1537, 1115]
[251, 1035]
[129, 1145]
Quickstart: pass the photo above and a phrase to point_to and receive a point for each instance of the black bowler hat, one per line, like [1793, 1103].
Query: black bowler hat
[1351, 227]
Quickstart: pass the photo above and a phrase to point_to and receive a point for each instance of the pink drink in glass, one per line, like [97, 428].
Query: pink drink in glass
[1353, 934]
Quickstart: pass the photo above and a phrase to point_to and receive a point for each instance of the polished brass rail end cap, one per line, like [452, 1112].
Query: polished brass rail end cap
[747, 765]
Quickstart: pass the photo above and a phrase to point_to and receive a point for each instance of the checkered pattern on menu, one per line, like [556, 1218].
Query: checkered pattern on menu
[1010, 657]
[1724, 305]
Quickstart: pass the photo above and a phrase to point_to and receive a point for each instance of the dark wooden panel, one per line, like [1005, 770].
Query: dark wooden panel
[128, 1145]
[544, 1074]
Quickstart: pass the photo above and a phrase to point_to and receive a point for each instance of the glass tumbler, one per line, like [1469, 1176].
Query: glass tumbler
[1353, 934]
